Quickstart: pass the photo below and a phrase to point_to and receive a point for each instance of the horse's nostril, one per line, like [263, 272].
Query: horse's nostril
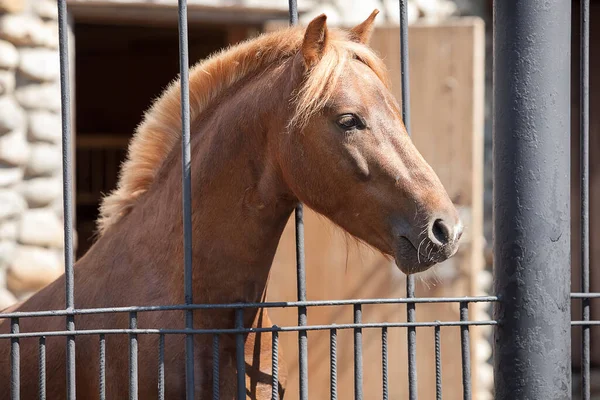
[441, 232]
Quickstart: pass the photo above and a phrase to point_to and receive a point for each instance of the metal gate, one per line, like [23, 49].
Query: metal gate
[531, 235]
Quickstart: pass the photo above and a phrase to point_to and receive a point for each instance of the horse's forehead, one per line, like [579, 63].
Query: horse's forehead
[360, 83]
[361, 74]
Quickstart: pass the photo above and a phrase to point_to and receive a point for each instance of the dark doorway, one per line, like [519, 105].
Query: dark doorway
[119, 70]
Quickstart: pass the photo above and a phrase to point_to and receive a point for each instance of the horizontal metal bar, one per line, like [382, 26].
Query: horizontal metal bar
[280, 304]
[585, 295]
[585, 323]
[250, 330]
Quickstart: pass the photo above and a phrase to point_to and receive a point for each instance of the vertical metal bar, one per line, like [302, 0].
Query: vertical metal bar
[293, 6]
[301, 269]
[15, 361]
[102, 377]
[65, 102]
[531, 219]
[585, 197]
[412, 340]
[465, 350]
[239, 355]
[216, 367]
[410, 282]
[275, 366]
[133, 358]
[333, 362]
[404, 64]
[358, 371]
[438, 363]
[186, 195]
[384, 363]
[161, 367]
[42, 367]
[302, 317]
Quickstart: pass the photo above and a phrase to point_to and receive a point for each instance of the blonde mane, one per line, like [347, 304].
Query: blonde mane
[160, 130]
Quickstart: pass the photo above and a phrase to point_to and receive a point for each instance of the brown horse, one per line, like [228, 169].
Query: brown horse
[298, 115]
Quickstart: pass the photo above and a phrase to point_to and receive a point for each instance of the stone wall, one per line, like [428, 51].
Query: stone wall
[31, 233]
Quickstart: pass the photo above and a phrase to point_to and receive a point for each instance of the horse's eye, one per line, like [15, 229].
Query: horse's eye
[349, 121]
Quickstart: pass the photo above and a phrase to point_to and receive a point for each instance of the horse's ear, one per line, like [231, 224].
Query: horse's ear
[315, 40]
[361, 33]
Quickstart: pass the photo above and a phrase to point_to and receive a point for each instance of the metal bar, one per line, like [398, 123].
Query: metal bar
[333, 362]
[585, 295]
[301, 269]
[186, 194]
[275, 366]
[161, 367]
[42, 368]
[465, 351]
[15, 361]
[412, 340]
[102, 373]
[384, 363]
[239, 356]
[584, 122]
[585, 323]
[438, 362]
[410, 283]
[532, 60]
[280, 304]
[302, 317]
[358, 361]
[216, 367]
[404, 64]
[293, 6]
[369, 325]
[65, 102]
[133, 358]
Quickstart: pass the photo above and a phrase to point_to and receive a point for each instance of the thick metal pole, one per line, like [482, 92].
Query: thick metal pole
[532, 58]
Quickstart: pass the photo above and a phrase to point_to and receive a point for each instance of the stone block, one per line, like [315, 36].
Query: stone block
[14, 148]
[39, 64]
[46, 9]
[9, 55]
[43, 96]
[7, 82]
[12, 117]
[7, 299]
[40, 192]
[41, 227]
[12, 204]
[9, 230]
[45, 126]
[10, 175]
[8, 249]
[44, 159]
[31, 269]
[12, 6]
[23, 30]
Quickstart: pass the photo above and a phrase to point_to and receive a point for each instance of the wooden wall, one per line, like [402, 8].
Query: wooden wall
[447, 87]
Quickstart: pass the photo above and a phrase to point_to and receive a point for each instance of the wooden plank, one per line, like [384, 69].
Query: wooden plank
[446, 69]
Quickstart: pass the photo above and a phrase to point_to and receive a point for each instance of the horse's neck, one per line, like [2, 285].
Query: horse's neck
[239, 203]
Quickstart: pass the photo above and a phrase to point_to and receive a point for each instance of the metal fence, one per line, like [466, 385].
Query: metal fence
[532, 233]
